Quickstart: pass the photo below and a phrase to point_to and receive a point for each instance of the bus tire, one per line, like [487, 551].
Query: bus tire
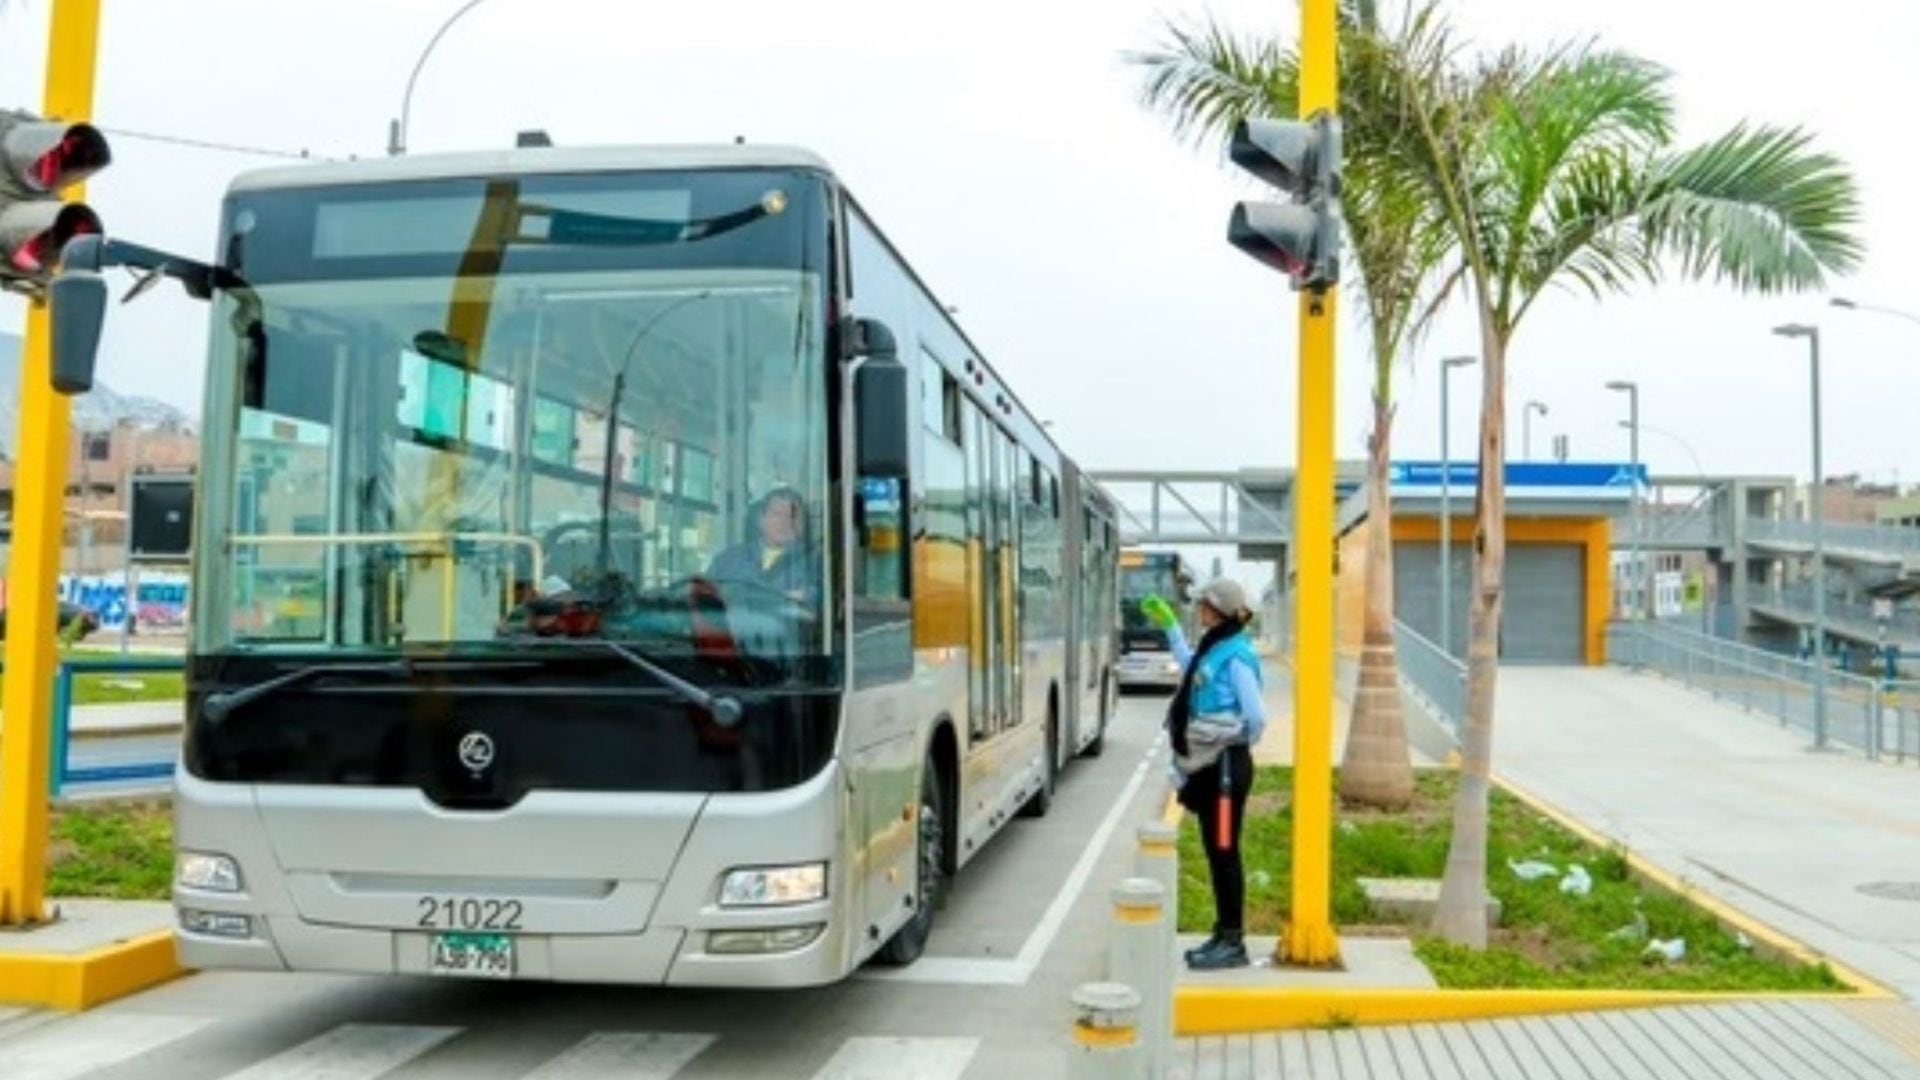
[930, 868]
[1041, 801]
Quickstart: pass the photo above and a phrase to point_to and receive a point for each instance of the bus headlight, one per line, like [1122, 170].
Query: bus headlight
[214, 873]
[768, 886]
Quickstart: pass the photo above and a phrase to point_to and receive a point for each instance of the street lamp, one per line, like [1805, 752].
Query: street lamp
[1817, 513]
[1639, 562]
[1843, 302]
[1446, 507]
[397, 129]
[1526, 428]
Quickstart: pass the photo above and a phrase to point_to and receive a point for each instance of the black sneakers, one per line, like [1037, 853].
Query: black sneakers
[1225, 949]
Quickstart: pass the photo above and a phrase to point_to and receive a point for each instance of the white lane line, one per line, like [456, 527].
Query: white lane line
[624, 1055]
[69, 1048]
[350, 1052]
[1016, 971]
[899, 1059]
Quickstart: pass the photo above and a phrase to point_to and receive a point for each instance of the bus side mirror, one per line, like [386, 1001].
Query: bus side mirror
[78, 302]
[880, 402]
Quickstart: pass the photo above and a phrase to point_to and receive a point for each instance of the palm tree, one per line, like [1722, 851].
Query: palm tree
[1556, 169]
[1205, 80]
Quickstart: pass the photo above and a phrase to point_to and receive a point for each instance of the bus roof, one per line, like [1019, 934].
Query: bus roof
[529, 161]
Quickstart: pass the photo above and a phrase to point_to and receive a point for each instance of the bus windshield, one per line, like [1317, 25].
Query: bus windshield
[483, 412]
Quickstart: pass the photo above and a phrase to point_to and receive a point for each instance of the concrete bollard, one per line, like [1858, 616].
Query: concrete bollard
[1138, 955]
[1157, 858]
[1106, 1037]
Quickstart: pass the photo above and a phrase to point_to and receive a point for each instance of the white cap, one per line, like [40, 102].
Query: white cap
[1225, 596]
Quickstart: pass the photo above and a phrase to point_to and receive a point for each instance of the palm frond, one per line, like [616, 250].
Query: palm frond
[1757, 208]
[1205, 78]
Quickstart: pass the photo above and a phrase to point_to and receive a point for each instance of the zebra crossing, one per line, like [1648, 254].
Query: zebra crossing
[129, 1044]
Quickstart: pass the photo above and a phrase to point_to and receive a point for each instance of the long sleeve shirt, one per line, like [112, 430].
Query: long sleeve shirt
[1245, 681]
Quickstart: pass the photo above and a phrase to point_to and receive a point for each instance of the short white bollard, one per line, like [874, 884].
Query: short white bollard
[1158, 857]
[1139, 956]
[1106, 1038]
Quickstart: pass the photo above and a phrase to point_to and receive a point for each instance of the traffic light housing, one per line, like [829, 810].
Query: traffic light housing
[1301, 237]
[38, 160]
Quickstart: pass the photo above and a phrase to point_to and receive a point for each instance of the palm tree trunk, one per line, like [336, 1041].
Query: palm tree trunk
[1376, 770]
[1461, 916]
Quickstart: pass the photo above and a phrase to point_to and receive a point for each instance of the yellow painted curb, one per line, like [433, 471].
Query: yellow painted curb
[83, 980]
[1207, 1010]
[1728, 915]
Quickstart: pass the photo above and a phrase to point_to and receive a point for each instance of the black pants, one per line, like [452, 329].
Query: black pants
[1201, 795]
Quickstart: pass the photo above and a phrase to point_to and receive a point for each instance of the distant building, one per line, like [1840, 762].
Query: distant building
[99, 466]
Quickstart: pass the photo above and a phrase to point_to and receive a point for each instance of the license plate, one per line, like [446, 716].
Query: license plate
[473, 956]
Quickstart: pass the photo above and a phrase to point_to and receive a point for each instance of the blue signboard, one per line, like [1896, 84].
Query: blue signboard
[1525, 480]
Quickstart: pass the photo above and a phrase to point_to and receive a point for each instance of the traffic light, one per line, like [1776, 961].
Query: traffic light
[1301, 237]
[38, 159]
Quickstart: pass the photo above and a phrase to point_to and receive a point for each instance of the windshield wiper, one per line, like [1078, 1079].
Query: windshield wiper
[725, 708]
[217, 707]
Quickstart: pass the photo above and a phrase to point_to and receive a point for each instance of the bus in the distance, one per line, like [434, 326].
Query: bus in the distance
[610, 565]
[1146, 658]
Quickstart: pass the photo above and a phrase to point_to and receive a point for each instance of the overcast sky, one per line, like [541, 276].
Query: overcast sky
[1000, 145]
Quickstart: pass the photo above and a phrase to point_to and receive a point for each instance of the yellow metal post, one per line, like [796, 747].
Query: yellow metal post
[39, 496]
[1309, 937]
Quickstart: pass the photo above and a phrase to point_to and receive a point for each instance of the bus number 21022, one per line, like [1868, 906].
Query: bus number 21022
[451, 913]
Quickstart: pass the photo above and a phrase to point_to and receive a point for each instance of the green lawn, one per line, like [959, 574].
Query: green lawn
[120, 852]
[116, 689]
[1547, 938]
[132, 686]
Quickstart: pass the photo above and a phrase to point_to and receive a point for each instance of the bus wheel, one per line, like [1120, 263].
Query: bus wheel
[1041, 801]
[930, 873]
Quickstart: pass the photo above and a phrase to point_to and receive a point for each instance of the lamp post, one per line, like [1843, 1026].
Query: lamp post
[1526, 427]
[397, 129]
[1817, 513]
[1843, 302]
[1446, 507]
[1641, 564]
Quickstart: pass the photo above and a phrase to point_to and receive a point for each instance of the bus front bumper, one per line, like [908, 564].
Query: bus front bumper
[669, 931]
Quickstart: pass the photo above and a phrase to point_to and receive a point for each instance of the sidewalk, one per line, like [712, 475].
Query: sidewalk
[124, 720]
[1823, 846]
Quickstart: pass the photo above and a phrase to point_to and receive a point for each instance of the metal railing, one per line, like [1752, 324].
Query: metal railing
[1891, 539]
[1874, 718]
[1438, 680]
[62, 773]
[1855, 615]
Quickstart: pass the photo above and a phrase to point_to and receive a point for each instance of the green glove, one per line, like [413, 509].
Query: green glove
[1159, 612]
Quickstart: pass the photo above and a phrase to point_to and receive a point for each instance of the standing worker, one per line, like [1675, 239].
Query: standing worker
[1214, 719]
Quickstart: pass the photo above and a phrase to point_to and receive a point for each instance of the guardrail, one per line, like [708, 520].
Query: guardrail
[1436, 678]
[1903, 622]
[1893, 539]
[61, 772]
[1874, 718]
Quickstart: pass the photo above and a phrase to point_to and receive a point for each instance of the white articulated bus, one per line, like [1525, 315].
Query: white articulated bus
[610, 565]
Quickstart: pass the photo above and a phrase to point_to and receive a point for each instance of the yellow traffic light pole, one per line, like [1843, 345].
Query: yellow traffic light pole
[26, 707]
[1309, 938]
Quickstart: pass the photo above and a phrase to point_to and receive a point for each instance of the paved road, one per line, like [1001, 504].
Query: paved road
[1824, 846]
[121, 765]
[1025, 924]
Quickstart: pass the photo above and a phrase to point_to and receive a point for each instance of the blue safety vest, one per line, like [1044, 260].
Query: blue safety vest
[1212, 688]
